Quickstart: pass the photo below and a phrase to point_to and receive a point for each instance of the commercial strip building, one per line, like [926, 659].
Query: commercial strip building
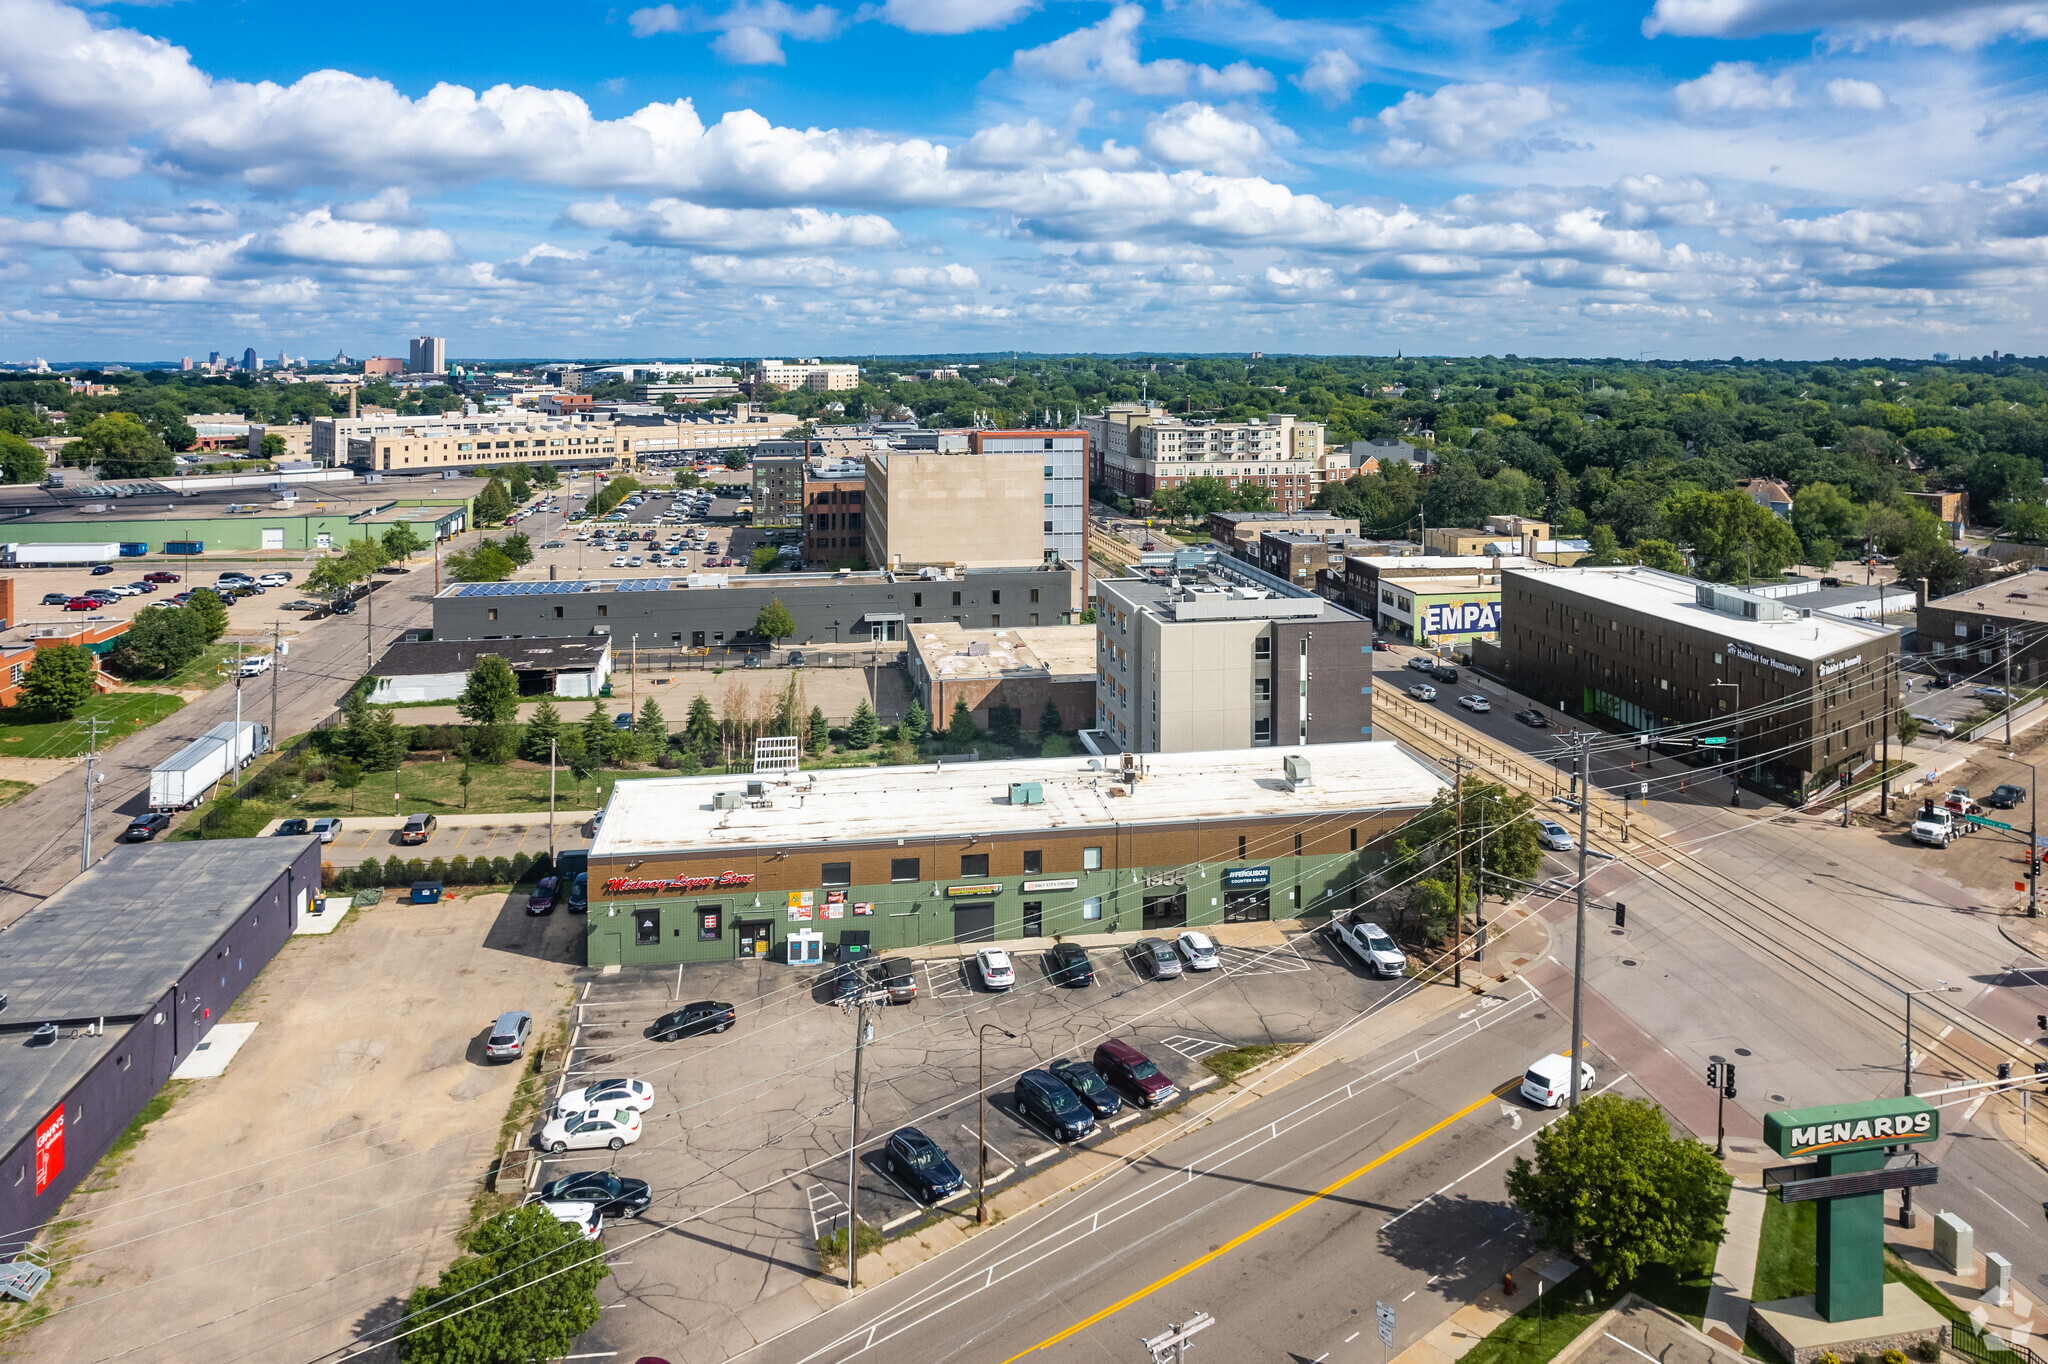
[1802, 694]
[1384, 588]
[115, 980]
[1303, 559]
[1203, 652]
[1970, 631]
[1239, 532]
[713, 868]
[438, 669]
[707, 611]
[1021, 667]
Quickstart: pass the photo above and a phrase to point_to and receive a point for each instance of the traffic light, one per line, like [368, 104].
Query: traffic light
[2041, 1073]
[1728, 1081]
[1713, 1075]
[2041, 1022]
[1620, 914]
[2005, 1070]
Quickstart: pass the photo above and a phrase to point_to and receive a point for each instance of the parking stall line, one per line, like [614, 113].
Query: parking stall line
[992, 1148]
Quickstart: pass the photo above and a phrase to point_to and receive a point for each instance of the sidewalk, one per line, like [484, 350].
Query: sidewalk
[1728, 1301]
[1453, 1338]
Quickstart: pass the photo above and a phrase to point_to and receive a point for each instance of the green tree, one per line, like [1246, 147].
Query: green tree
[1049, 720]
[492, 505]
[59, 681]
[1005, 725]
[526, 1290]
[463, 779]
[160, 640]
[346, 774]
[700, 731]
[962, 733]
[121, 447]
[1661, 554]
[652, 728]
[864, 728]
[2023, 521]
[490, 694]
[212, 613]
[1252, 497]
[543, 729]
[597, 728]
[486, 563]
[916, 721]
[1613, 1188]
[1604, 548]
[1824, 519]
[774, 621]
[273, 445]
[518, 548]
[1909, 726]
[1733, 539]
[519, 488]
[402, 541]
[20, 462]
[820, 733]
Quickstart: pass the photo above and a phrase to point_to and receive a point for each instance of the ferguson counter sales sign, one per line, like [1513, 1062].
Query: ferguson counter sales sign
[49, 1148]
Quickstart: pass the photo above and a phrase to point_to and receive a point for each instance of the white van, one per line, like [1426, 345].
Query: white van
[254, 667]
[1549, 1080]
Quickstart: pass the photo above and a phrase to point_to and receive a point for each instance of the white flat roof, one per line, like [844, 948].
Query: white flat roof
[1668, 596]
[878, 803]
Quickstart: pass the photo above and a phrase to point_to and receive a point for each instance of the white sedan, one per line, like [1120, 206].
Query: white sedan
[616, 1128]
[1554, 836]
[583, 1216]
[993, 965]
[1198, 950]
[619, 562]
[1475, 703]
[1422, 691]
[637, 1095]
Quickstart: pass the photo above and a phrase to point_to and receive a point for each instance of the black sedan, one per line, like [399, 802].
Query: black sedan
[915, 1161]
[1533, 718]
[1089, 1087]
[145, 828]
[2008, 796]
[615, 1195]
[846, 983]
[291, 827]
[704, 1016]
[1070, 965]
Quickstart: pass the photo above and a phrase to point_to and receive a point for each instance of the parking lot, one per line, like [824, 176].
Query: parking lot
[745, 1146]
[247, 615]
[580, 559]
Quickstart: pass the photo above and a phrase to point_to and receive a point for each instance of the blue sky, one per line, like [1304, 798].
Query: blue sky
[1668, 177]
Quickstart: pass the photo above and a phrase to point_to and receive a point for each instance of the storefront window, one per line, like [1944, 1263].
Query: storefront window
[1091, 859]
[646, 927]
[1091, 908]
[710, 919]
[903, 869]
[838, 874]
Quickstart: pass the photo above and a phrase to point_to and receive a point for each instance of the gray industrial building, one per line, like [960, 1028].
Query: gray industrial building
[110, 983]
[714, 610]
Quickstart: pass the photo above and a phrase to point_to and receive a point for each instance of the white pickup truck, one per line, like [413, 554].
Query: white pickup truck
[1936, 826]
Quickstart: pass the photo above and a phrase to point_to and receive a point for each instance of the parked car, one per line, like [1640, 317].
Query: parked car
[1548, 1081]
[292, 828]
[1070, 965]
[845, 983]
[541, 899]
[1554, 836]
[1533, 718]
[509, 1034]
[585, 1217]
[345, 607]
[1156, 958]
[2007, 796]
[253, 667]
[160, 577]
[326, 828]
[619, 1092]
[552, 544]
[1131, 1070]
[99, 569]
[82, 604]
[1941, 725]
[993, 965]
[704, 1016]
[1373, 946]
[142, 586]
[1421, 663]
[896, 976]
[579, 893]
[1048, 1103]
[1443, 672]
[274, 578]
[1476, 703]
[1946, 679]
[1989, 693]
[916, 1162]
[1089, 1087]
[1422, 691]
[56, 598]
[418, 829]
[616, 1128]
[1197, 950]
[1380, 646]
[614, 1195]
[619, 562]
[145, 828]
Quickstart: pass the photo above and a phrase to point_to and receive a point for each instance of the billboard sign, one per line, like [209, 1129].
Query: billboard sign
[1461, 618]
[1838, 1128]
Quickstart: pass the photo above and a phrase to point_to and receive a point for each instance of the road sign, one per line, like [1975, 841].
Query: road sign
[1988, 823]
[1386, 1316]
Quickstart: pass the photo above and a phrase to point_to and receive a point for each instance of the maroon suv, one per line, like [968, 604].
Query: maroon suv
[1129, 1069]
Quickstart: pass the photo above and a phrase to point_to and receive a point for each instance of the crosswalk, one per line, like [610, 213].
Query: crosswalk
[1193, 1048]
[1261, 961]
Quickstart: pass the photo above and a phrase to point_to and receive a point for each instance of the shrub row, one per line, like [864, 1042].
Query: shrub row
[459, 871]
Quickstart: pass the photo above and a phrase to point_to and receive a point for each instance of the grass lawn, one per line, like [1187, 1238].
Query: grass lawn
[204, 673]
[1540, 1330]
[435, 787]
[11, 791]
[1785, 1257]
[120, 714]
[1237, 1060]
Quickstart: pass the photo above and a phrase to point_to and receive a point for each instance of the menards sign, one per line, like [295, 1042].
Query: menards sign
[1851, 1127]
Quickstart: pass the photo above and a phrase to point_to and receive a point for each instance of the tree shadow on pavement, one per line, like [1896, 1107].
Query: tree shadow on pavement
[1437, 1238]
[377, 1324]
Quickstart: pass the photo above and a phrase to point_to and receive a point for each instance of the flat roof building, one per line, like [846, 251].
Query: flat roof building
[1022, 668]
[438, 669]
[713, 868]
[1968, 632]
[1239, 531]
[1800, 695]
[834, 493]
[112, 982]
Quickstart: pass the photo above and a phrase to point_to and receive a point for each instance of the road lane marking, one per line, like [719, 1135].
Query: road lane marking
[1353, 1336]
[2000, 1206]
[1259, 1230]
[1630, 1348]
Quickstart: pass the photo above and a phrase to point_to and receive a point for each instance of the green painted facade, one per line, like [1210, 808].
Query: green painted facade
[221, 532]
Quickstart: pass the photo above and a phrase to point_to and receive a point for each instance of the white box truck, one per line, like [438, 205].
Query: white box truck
[184, 781]
[22, 555]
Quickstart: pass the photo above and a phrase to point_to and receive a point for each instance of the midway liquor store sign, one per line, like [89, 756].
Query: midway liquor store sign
[725, 880]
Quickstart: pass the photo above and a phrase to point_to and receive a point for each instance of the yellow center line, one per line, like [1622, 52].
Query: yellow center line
[1275, 1220]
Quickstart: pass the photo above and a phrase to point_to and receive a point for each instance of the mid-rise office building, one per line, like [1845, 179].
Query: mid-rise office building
[834, 493]
[428, 355]
[1199, 651]
[454, 440]
[807, 374]
[1064, 507]
[1801, 695]
[1160, 452]
[388, 366]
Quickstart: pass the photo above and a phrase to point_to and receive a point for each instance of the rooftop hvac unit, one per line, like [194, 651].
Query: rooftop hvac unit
[756, 789]
[727, 800]
[1027, 793]
[451, 473]
[373, 478]
[1296, 769]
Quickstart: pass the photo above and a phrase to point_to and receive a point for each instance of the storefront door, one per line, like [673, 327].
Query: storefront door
[754, 937]
[1034, 919]
[974, 923]
[1166, 911]
[1246, 906]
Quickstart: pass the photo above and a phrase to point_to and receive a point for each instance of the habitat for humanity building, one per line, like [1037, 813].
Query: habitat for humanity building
[110, 983]
[712, 868]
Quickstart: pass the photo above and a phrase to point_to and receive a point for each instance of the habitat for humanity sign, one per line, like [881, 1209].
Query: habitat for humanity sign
[1461, 618]
[1850, 1127]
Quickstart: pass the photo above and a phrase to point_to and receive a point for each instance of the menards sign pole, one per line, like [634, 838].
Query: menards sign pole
[1845, 1146]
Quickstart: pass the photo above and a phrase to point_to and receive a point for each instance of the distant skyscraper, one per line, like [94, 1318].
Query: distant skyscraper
[283, 361]
[213, 359]
[186, 363]
[429, 356]
[249, 359]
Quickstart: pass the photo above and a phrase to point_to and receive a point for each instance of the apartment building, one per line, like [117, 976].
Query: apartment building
[687, 390]
[807, 374]
[1064, 506]
[835, 492]
[779, 487]
[1801, 695]
[1969, 632]
[454, 440]
[1162, 452]
[1109, 435]
[427, 355]
[1212, 653]
[1239, 532]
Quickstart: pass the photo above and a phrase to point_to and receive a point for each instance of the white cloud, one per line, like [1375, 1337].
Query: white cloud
[1107, 52]
[1735, 87]
[1012, 146]
[750, 33]
[1854, 94]
[1331, 75]
[935, 278]
[1463, 122]
[954, 16]
[676, 222]
[392, 206]
[320, 238]
[1952, 23]
[1203, 136]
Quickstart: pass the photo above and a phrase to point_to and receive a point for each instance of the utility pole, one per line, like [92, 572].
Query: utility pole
[860, 1042]
[1479, 929]
[92, 778]
[1585, 768]
[276, 641]
[1891, 709]
[370, 626]
[1458, 879]
[2005, 638]
[551, 806]
[1171, 1347]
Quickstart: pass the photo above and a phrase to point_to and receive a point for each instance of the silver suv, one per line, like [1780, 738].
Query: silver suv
[507, 1041]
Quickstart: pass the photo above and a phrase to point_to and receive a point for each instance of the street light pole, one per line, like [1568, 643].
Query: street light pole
[1735, 764]
[981, 1115]
[1585, 769]
[1941, 987]
[1458, 878]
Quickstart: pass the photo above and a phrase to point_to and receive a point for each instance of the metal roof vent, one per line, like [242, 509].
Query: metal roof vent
[1297, 771]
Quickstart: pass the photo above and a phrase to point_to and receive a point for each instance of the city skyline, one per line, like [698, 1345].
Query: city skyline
[1671, 179]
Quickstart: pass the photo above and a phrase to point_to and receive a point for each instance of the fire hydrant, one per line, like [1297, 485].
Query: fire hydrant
[1507, 1282]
